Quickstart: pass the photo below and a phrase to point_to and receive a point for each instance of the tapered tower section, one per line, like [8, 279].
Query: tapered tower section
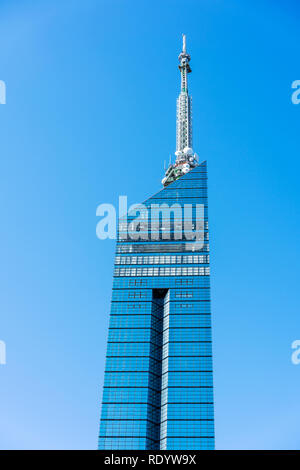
[158, 385]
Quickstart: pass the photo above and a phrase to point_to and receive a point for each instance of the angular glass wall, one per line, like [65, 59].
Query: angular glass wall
[158, 389]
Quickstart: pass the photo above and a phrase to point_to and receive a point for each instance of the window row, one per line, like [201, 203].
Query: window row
[129, 411]
[187, 428]
[186, 364]
[132, 272]
[187, 334]
[169, 395]
[145, 364]
[187, 395]
[187, 349]
[164, 235]
[131, 395]
[170, 379]
[146, 294]
[162, 247]
[196, 443]
[138, 428]
[128, 443]
[133, 349]
[150, 321]
[138, 334]
[184, 199]
[188, 411]
[191, 259]
[169, 349]
[147, 308]
[133, 364]
[149, 334]
[169, 283]
[199, 411]
[131, 379]
[186, 320]
[184, 379]
[134, 428]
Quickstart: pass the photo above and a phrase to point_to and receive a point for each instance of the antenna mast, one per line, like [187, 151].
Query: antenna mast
[185, 157]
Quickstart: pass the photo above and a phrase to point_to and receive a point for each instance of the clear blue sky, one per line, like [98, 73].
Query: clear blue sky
[90, 114]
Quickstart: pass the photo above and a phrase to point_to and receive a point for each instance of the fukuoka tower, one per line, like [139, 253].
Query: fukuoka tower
[158, 384]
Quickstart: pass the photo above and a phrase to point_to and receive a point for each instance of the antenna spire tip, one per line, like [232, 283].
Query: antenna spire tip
[183, 42]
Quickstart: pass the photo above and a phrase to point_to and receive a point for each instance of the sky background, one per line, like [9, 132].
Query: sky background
[90, 115]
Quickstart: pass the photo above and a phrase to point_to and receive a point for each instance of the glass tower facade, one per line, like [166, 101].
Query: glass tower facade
[158, 387]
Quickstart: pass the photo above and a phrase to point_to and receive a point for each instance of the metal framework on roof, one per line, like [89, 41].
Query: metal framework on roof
[186, 159]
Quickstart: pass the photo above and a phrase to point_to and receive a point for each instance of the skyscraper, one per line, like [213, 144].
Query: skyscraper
[158, 386]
